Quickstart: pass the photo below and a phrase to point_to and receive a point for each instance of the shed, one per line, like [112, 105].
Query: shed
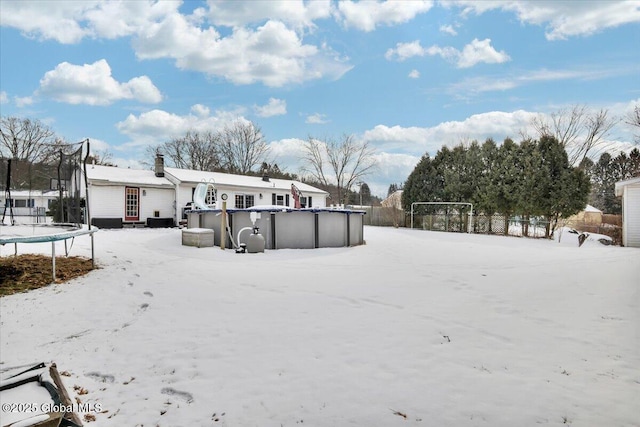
[394, 200]
[588, 216]
[629, 190]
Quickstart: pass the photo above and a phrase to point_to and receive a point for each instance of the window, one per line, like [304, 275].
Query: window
[23, 203]
[303, 202]
[279, 199]
[210, 199]
[244, 201]
[132, 207]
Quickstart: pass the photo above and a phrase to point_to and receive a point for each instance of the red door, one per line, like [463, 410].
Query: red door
[132, 204]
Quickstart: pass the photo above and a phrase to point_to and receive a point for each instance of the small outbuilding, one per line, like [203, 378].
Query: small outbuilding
[629, 190]
[588, 216]
[394, 200]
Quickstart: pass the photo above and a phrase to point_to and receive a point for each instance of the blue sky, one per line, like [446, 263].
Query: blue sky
[405, 76]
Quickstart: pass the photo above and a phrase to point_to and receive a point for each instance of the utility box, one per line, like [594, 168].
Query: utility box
[198, 237]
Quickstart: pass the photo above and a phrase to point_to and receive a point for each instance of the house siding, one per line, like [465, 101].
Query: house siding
[185, 195]
[631, 215]
[109, 202]
[156, 199]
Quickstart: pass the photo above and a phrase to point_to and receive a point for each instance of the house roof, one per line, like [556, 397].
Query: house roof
[115, 175]
[33, 193]
[621, 184]
[227, 179]
[590, 208]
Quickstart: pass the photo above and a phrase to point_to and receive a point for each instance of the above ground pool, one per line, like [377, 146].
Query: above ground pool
[285, 228]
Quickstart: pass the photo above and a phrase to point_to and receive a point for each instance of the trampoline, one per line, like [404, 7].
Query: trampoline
[71, 208]
[39, 233]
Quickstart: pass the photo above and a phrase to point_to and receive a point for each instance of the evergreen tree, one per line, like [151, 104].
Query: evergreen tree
[424, 184]
[488, 183]
[603, 179]
[604, 175]
[565, 190]
[506, 177]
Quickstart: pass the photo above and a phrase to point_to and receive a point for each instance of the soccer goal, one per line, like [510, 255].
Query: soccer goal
[469, 226]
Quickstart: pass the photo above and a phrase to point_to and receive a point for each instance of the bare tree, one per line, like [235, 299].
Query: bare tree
[242, 147]
[578, 130]
[26, 139]
[597, 126]
[101, 157]
[194, 150]
[633, 119]
[341, 163]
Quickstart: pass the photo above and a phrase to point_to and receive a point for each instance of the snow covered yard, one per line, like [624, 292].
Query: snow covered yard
[414, 328]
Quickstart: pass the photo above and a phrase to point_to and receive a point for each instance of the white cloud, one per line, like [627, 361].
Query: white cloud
[275, 107]
[287, 153]
[478, 51]
[448, 29]
[98, 145]
[200, 110]
[475, 52]
[405, 51]
[240, 13]
[23, 101]
[4, 98]
[563, 19]
[478, 85]
[156, 126]
[93, 84]
[418, 140]
[481, 51]
[392, 168]
[71, 21]
[271, 54]
[414, 74]
[317, 119]
[367, 15]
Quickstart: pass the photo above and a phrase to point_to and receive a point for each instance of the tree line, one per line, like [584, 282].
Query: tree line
[531, 179]
[605, 173]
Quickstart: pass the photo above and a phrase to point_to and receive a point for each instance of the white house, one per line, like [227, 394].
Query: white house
[242, 191]
[28, 203]
[119, 196]
[630, 192]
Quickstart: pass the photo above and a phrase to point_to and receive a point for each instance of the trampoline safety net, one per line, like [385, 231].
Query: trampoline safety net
[32, 191]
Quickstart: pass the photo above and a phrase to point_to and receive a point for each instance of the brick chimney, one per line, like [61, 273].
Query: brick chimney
[159, 166]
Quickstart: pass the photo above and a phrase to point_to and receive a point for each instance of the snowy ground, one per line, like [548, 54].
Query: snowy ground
[413, 328]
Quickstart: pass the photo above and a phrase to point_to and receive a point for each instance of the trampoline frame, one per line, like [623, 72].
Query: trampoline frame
[53, 238]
